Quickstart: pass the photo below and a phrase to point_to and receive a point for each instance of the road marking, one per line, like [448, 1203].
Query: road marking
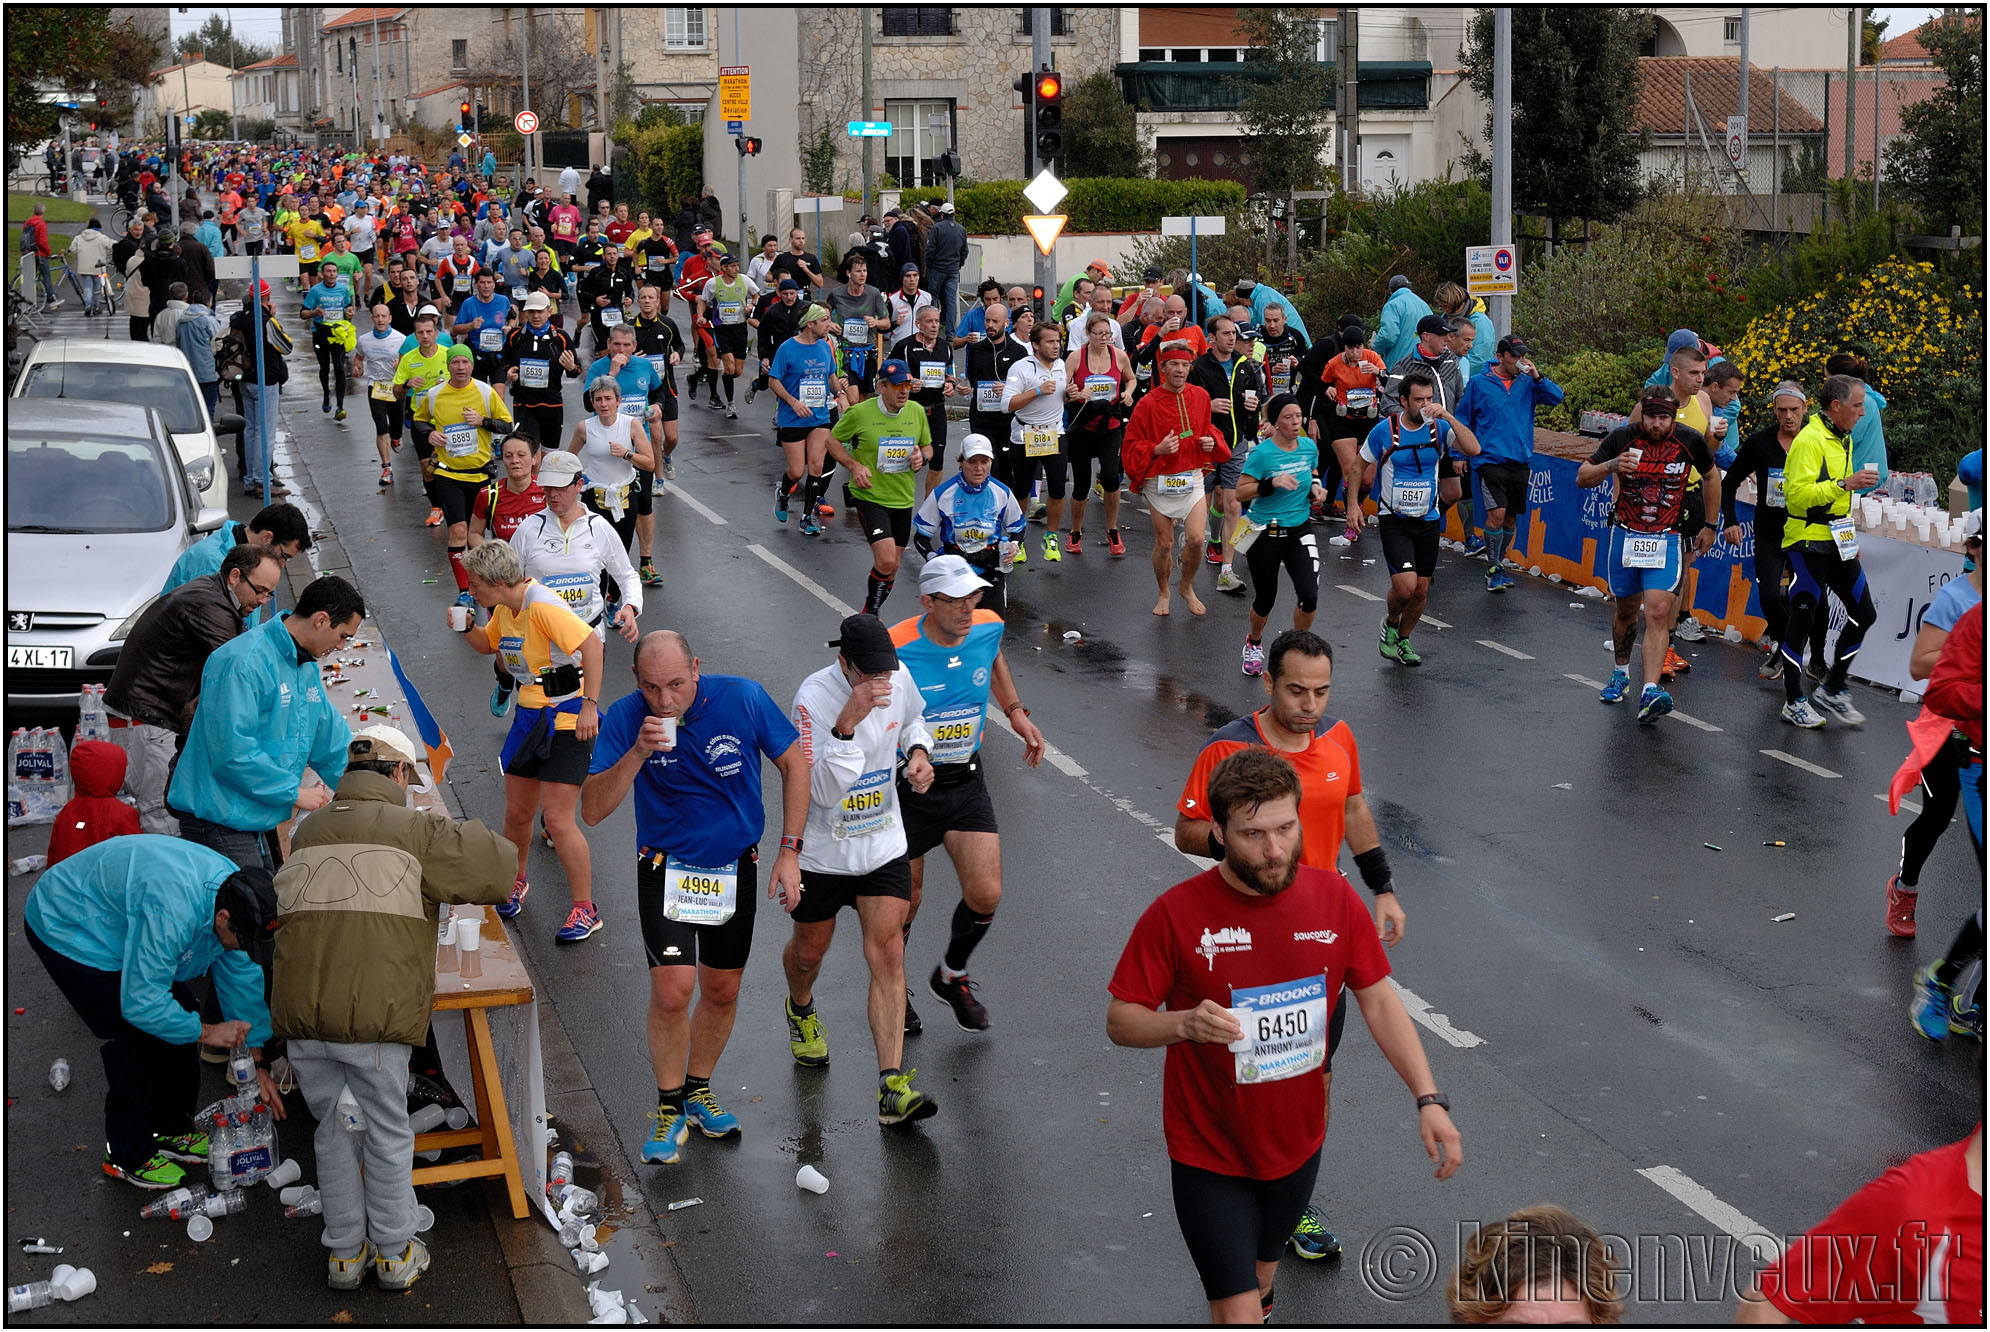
[1701, 1199]
[1433, 622]
[1677, 715]
[1501, 647]
[817, 590]
[1796, 762]
[1438, 1023]
[1357, 592]
[686, 496]
[1585, 681]
[1201, 863]
[1905, 804]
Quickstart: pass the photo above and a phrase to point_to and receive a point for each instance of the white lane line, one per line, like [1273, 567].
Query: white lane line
[1357, 592]
[1514, 653]
[686, 496]
[1439, 1025]
[817, 590]
[1699, 1198]
[1168, 840]
[1796, 762]
[1677, 715]
[1433, 622]
[1908, 805]
[1584, 680]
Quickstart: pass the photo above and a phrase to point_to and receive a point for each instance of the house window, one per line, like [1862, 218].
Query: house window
[684, 29]
[1058, 25]
[920, 131]
[459, 53]
[1225, 54]
[918, 21]
[1731, 31]
[1151, 53]
[693, 112]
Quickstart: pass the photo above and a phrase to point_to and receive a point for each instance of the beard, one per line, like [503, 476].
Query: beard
[1270, 880]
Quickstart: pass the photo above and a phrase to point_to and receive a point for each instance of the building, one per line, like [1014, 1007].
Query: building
[1683, 108]
[267, 90]
[1793, 37]
[186, 87]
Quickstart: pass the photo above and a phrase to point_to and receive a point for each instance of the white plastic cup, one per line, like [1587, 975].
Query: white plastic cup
[72, 1283]
[427, 1119]
[287, 1173]
[1250, 400]
[1632, 457]
[456, 1117]
[1900, 519]
[295, 1194]
[459, 618]
[468, 934]
[808, 1177]
[424, 1219]
[669, 732]
[199, 1228]
[1242, 1043]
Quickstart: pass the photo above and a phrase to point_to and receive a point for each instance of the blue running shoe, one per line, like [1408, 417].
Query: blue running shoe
[1475, 549]
[1311, 1239]
[583, 922]
[1620, 684]
[500, 699]
[1654, 704]
[713, 1120]
[810, 525]
[781, 506]
[511, 906]
[1930, 1006]
[667, 1139]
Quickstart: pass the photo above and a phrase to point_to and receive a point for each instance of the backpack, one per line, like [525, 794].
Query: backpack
[27, 239]
[231, 357]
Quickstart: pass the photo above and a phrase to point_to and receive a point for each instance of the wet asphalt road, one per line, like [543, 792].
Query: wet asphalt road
[1622, 1000]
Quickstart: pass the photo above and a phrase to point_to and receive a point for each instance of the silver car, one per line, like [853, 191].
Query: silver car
[98, 508]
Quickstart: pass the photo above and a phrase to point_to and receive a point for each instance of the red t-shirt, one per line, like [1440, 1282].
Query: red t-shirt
[1329, 772]
[619, 231]
[1286, 958]
[1906, 1248]
[513, 508]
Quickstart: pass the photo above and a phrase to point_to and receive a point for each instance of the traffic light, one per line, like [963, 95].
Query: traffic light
[1047, 121]
[463, 116]
[748, 146]
[1036, 300]
[1025, 86]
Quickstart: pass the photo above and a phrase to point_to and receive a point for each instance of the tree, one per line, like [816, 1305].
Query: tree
[1575, 87]
[216, 40]
[62, 49]
[212, 124]
[1937, 162]
[564, 72]
[1102, 131]
[1872, 36]
[1283, 105]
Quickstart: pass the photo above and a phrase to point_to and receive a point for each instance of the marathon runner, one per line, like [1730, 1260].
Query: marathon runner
[1097, 429]
[1651, 461]
[376, 355]
[1233, 382]
[985, 384]
[804, 377]
[456, 276]
[930, 358]
[976, 517]
[905, 305]
[1346, 391]
[1407, 453]
[724, 304]
[1280, 482]
[858, 314]
[537, 357]
[698, 268]
[659, 343]
[777, 316]
[1036, 393]
[329, 302]
[1762, 457]
[883, 440]
[690, 745]
[607, 296]
[481, 322]
[858, 719]
[611, 441]
[1499, 407]
[421, 369]
[501, 507]
[1251, 955]
[954, 652]
[460, 414]
[1169, 445]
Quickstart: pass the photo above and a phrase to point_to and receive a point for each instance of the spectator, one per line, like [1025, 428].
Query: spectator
[198, 261]
[34, 243]
[166, 324]
[96, 814]
[1396, 334]
[198, 327]
[89, 259]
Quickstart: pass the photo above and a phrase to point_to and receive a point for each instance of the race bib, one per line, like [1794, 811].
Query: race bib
[932, 374]
[490, 339]
[973, 538]
[1144, 371]
[659, 362]
[814, 394]
[511, 651]
[658, 262]
[1285, 1030]
[988, 395]
[381, 391]
[1175, 483]
[518, 294]
[1845, 535]
[1646, 552]
[864, 811]
[1410, 499]
[633, 404]
[459, 440]
[460, 283]
[696, 896]
[956, 734]
[345, 281]
[1773, 496]
[611, 315]
[895, 454]
[856, 330]
[573, 588]
[1039, 441]
[1101, 388]
[534, 373]
[307, 252]
[1281, 382]
[732, 312]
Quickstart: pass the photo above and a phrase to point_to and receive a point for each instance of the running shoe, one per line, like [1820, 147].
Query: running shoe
[1770, 669]
[781, 506]
[1407, 654]
[1690, 630]
[824, 509]
[1620, 684]
[670, 466]
[713, 1120]
[1075, 543]
[914, 1024]
[188, 1147]
[1311, 1239]
[157, 1173]
[732, 413]
[1475, 549]
[1800, 713]
[511, 906]
[339, 415]
[1837, 706]
[1502, 580]
[347, 1273]
[1051, 551]
[715, 404]
[1929, 1008]
[752, 391]
[1653, 704]
[646, 571]
[1674, 665]
[1214, 554]
[1900, 909]
[1227, 581]
[806, 1041]
[1253, 658]
[386, 476]
[1390, 635]
[667, 1138]
[401, 1272]
[1114, 543]
[1966, 1021]
[434, 518]
[1495, 580]
[327, 405]
[900, 1103]
[969, 1015]
[1037, 509]
[1351, 534]
[1022, 554]
[810, 525]
[1816, 669]
[583, 922]
[464, 598]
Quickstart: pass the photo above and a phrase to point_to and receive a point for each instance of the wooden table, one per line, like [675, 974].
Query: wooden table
[501, 984]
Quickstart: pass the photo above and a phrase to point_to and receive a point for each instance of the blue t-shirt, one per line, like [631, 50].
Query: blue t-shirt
[489, 340]
[1287, 508]
[805, 370]
[953, 682]
[1956, 599]
[701, 801]
[334, 300]
[636, 381]
[1406, 480]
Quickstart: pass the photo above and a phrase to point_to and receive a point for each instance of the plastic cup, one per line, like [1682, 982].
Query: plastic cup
[669, 732]
[469, 931]
[808, 1177]
[1250, 400]
[1632, 457]
[424, 1219]
[456, 1117]
[470, 964]
[459, 618]
[287, 1173]
[199, 1228]
[1242, 1043]
[73, 1283]
[427, 1119]
[295, 1194]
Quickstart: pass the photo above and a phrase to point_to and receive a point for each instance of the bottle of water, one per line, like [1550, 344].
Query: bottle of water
[91, 723]
[178, 1205]
[58, 1074]
[34, 1295]
[242, 1070]
[351, 1118]
[254, 1152]
[17, 790]
[220, 1147]
[562, 1171]
[222, 1204]
[311, 1206]
[60, 789]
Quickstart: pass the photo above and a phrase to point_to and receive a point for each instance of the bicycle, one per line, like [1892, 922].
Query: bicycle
[121, 218]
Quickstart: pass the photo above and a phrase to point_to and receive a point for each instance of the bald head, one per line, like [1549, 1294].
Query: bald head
[662, 647]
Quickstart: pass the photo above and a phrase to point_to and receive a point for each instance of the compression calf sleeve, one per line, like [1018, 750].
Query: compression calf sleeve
[969, 928]
[456, 568]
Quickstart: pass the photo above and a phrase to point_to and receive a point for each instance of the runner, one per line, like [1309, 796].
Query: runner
[611, 441]
[883, 440]
[1821, 542]
[375, 358]
[858, 719]
[930, 359]
[537, 358]
[984, 383]
[1245, 1129]
[1349, 384]
[1651, 461]
[904, 306]
[976, 517]
[420, 370]
[1036, 393]
[954, 652]
[1688, 365]
[858, 315]
[658, 342]
[460, 414]
[1280, 482]
[1762, 457]
[482, 322]
[1499, 408]
[691, 745]
[1098, 426]
[501, 507]
[607, 296]
[1169, 445]
[723, 305]
[804, 377]
[456, 276]
[328, 302]
[1408, 453]
[1233, 382]
[698, 268]
[1284, 346]
[556, 661]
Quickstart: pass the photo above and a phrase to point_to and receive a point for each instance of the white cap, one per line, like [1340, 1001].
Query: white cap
[949, 576]
[976, 446]
[429, 309]
[559, 468]
[381, 742]
[538, 300]
[1972, 525]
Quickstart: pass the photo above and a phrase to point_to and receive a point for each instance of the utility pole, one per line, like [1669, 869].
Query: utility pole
[525, 88]
[1501, 307]
[864, 17]
[1851, 86]
[1742, 108]
[1046, 264]
[379, 100]
[1347, 115]
[739, 57]
[234, 129]
[1875, 134]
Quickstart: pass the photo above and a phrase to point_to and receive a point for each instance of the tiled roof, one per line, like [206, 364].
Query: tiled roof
[352, 16]
[1716, 95]
[438, 88]
[287, 61]
[1907, 46]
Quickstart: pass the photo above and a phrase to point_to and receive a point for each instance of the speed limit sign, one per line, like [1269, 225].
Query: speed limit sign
[525, 122]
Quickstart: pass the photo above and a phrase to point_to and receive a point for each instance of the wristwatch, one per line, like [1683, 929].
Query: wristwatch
[1438, 1099]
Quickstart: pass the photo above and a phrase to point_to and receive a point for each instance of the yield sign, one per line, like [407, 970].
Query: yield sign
[1045, 229]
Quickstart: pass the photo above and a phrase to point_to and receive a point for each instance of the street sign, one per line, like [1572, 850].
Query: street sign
[525, 122]
[1737, 142]
[1491, 270]
[870, 129]
[735, 92]
[1192, 226]
[190, 115]
[735, 127]
[1046, 192]
[1045, 229]
[463, 141]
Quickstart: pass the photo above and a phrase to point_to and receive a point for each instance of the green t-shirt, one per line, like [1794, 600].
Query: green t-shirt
[884, 443]
[348, 266]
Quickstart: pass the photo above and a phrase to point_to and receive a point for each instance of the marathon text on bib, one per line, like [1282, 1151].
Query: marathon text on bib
[611, 315]
[1409, 499]
[459, 440]
[856, 329]
[490, 339]
[1101, 388]
[1286, 1026]
[573, 587]
[956, 733]
[696, 896]
[815, 393]
[633, 404]
[1773, 496]
[460, 283]
[511, 650]
[732, 312]
[932, 374]
[1175, 483]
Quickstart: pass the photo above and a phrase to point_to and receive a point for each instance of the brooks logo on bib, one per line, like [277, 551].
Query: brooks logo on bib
[696, 896]
[863, 812]
[534, 373]
[895, 454]
[459, 441]
[1285, 1027]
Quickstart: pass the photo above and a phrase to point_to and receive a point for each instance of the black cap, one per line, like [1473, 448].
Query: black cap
[1513, 343]
[249, 898]
[1434, 323]
[1151, 275]
[866, 644]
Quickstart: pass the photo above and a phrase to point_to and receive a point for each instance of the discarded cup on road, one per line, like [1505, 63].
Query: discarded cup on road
[808, 1177]
[295, 1194]
[456, 1117]
[71, 1283]
[199, 1228]
[459, 618]
[424, 1219]
[311, 1206]
[427, 1119]
[589, 1261]
[1072, 635]
[58, 1074]
[287, 1173]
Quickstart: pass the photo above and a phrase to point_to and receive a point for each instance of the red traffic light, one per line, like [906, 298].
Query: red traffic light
[1036, 293]
[465, 109]
[1049, 87]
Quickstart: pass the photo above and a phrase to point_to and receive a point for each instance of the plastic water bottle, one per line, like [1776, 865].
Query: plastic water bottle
[242, 1069]
[562, 1171]
[58, 1074]
[220, 1146]
[254, 1152]
[223, 1204]
[177, 1205]
[91, 720]
[34, 1295]
[351, 1118]
[60, 789]
[17, 792]
[311, 1206]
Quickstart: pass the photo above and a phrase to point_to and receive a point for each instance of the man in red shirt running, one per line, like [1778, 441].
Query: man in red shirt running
[1249, 956]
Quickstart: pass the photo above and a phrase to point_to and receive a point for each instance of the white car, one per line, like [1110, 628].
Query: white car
[157, 376]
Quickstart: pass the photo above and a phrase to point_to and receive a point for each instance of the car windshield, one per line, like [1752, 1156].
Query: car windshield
[86, 485]
[167, 388]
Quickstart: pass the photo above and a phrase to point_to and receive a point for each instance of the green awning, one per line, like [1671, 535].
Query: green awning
[1164, 85]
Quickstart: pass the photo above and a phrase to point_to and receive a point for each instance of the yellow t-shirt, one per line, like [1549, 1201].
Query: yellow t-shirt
[307, 235]
[547, 634]
[466, 450]
[422, 373]
[1691, 415]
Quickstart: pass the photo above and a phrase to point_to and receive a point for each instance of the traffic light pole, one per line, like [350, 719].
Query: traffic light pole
[1046, 264]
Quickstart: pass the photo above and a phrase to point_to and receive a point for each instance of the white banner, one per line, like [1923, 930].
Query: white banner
[1904, 579]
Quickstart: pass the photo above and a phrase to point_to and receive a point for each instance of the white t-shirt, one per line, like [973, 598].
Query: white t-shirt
[905, 315]
[1074, 332]
[1042, 409]
[380, 355]
[359, 230]
[601, 466]
[760, 271]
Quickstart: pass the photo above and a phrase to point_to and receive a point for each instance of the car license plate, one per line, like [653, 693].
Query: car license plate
[41, 658]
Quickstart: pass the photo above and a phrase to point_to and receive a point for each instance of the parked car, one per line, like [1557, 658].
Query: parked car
[98, 508]
[156, 375]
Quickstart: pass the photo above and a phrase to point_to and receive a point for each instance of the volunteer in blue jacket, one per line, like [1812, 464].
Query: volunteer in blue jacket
[121, 927]
[972, 515]
[691, 746]
[1395, 333]
[262, 719]
[282, 526]
[1498, 408]
[1260, 295]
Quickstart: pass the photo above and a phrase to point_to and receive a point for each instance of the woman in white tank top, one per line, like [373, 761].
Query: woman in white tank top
[611, 445]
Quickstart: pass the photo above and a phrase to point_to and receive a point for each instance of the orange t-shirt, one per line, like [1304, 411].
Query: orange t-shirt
[1329, 772]
[1367, 375]
[1189, 334]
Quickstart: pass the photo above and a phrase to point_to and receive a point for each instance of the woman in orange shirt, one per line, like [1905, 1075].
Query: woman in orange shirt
[1353, 382]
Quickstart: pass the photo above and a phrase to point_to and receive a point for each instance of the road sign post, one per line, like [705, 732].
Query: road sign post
[736, 92]
[1737, 142]
[1191, 227]
[1491, 270]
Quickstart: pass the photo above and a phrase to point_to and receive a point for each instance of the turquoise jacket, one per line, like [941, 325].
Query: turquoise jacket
[1485, 342]
[1869, 436]
[1395, 332]
[143, 906]
[205, 557]
[1263, 295]
[262, 719]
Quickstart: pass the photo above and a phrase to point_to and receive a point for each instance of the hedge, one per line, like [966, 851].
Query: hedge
[996, 207]
[669, 163]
